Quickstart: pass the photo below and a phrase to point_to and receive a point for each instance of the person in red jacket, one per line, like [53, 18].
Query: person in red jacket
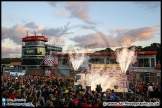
[84, 104]
[11, 93]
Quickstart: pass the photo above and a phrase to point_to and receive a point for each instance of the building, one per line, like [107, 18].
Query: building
[34, 51]
[12, 67]
[37, 57]
[145, 67]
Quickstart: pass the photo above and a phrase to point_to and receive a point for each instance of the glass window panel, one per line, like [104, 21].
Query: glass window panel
[102, 61]
[34, 51]
[152, 62]
[113, 61]
[23, 43]
[146, 62]
[140, 62]
[32, 61]
[34, 43]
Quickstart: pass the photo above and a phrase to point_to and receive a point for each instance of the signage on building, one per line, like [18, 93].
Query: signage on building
[34, 38]
[54, 48]
[51, 60]
[105, 67]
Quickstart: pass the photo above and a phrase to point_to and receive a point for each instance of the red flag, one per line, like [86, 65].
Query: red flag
[50, 73]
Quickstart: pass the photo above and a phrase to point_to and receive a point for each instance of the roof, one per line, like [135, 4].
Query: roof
[35, 38]
[15, 63]
[111, 53]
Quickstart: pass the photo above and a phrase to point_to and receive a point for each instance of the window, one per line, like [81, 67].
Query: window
[143, 62]
[113, 61]
[47, 52]
[78, 77]
[102, 61]
[107, 61]
[146, 62]
[152, 62]
[140, 62]
[23, 43]
[33, 51]
[32, 61]
[31, 43]
[64, 61]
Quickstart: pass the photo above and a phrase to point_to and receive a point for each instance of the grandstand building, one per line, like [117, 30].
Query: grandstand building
[38, 57]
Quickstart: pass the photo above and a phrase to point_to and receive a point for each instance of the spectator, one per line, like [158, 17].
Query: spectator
[40, 92]
[112, 97]
[156, 91]
[84, 103]
[66, 103]
[30, 100]
[11, 93]
[49, 104]
[150, 90]
[97, 104]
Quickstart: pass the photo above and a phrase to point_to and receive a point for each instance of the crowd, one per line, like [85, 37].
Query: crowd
[150, 89]
[44, 91]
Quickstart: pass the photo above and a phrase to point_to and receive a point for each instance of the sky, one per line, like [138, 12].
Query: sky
[97, 25]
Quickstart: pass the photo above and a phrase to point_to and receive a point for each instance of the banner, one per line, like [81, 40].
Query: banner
[105, 67]
[51, 60]
[48, 73]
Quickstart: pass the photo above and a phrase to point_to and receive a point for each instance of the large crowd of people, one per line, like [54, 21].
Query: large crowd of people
[44, 91]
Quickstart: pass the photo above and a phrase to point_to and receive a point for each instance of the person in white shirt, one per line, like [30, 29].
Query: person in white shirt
[150, 90]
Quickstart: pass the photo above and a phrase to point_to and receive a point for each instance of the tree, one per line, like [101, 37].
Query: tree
[9, 60]
[106, 50]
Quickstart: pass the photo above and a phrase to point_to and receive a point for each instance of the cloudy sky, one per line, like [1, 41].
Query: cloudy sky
[80, 24]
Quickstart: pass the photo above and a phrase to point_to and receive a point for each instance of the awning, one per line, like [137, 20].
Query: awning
[158, 67]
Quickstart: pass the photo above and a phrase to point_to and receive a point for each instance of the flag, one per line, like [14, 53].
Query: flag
[55, 60]
[48, 60]
[48, 73]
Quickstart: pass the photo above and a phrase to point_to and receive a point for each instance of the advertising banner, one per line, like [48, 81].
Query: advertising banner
[105, 67]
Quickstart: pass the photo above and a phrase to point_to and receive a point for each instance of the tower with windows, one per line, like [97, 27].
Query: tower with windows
[34, 54]
[33, 50]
